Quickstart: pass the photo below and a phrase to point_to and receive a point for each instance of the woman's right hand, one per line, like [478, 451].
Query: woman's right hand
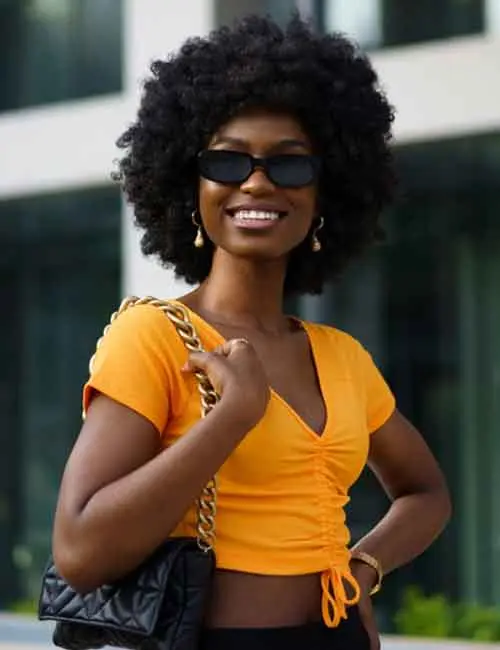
[237, 375]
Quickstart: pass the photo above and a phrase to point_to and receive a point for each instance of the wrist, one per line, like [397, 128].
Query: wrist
[232, 417]
[245, 412]
[367, 571]
[365, 575]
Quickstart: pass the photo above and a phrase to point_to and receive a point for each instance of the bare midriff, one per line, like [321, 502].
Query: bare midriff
[249, 600]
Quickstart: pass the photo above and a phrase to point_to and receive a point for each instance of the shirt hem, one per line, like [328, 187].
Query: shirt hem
[277, 566]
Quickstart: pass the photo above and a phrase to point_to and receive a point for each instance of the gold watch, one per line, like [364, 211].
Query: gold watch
[361, 556]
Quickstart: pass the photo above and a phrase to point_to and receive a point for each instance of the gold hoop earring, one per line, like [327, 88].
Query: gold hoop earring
[315, 242]
[199, 242]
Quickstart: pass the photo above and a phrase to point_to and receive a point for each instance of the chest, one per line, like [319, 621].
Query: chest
[295, 375]
[316, 416]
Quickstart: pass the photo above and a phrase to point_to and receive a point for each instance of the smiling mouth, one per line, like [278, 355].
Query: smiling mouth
[255, 218]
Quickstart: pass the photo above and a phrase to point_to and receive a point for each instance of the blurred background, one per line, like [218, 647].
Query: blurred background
[426, 303]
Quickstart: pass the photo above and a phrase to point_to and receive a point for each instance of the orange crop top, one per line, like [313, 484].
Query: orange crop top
[282, 492]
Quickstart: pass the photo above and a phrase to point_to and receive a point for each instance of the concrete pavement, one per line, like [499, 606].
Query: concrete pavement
[26, 633]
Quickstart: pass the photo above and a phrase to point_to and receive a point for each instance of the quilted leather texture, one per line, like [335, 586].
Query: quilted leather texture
[159, 606]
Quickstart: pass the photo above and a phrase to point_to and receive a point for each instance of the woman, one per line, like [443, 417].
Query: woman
[258, 166]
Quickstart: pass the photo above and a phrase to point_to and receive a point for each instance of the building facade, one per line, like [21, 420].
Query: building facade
[426, 303]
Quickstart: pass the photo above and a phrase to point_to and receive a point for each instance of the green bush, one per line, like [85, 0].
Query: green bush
[478, 623]
[435, 617]
[424, 616]
[28, 607]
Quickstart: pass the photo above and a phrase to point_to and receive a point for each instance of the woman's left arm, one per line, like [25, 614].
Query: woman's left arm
[413, 481]
[420, 508]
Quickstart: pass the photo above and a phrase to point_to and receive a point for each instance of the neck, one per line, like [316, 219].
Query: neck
[244, 293]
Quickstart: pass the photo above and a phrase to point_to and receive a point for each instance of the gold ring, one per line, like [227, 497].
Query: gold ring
[240, 340]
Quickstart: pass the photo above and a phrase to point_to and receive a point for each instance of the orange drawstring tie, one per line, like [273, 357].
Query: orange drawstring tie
[334, 598]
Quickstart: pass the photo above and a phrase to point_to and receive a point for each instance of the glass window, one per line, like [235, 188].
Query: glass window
[226, 11]
[54, 50]
[359, 19]
[492, 16]
[59, 280]
[427, 305]
[375, 23]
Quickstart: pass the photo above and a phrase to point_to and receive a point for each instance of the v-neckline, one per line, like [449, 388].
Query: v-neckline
[318, 436]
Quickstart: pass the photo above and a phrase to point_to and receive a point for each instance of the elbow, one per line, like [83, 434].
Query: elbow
[438, 505]
[446, 505]
[433, 502]
[442, 498]
[70, 565]
[442, 507]
[75, 562]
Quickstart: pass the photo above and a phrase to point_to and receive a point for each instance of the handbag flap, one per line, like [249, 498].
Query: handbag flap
[132, 604]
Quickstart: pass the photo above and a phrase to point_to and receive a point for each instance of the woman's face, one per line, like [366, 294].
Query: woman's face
[258, 217]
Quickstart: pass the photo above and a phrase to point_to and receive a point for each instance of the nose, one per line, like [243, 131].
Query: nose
[258, 183]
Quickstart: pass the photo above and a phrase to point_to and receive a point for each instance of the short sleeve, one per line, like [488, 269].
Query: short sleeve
[380, 401]
[137, 364]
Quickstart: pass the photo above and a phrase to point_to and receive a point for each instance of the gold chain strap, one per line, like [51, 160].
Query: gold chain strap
[178, 315]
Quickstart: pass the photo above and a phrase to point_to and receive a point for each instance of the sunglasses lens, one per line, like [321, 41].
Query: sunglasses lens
[224, 166]
[292, 170]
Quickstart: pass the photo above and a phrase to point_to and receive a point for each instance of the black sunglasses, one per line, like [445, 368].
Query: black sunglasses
[234, 167]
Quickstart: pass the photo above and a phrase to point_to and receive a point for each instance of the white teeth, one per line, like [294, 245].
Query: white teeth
[256, 215]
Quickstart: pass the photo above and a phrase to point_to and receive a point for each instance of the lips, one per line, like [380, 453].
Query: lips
[258, 208]
[254, 219]
[255, 215]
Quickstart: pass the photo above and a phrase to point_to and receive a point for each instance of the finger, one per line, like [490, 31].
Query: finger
[223, 349]
[200, 361]
[230, 346]
[237, 344]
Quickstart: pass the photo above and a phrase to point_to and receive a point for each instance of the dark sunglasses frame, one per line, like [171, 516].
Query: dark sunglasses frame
[268, 164]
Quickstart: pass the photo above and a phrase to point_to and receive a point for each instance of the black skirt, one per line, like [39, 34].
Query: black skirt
[349, 635]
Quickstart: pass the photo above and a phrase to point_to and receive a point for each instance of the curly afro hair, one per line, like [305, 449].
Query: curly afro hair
[323, 80]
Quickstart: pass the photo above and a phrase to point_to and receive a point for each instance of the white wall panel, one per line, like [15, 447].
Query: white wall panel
[153, 34]
[59, 146]
[443, 89]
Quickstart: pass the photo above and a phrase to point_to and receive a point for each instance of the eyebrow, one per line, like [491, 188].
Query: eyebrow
[281, 144]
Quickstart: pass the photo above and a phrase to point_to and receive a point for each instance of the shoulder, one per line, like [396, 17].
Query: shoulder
[143, 316]
[142, 325]
[343, 349]
[332, 336]
[134, 315]
[348, 355]
[137, 362]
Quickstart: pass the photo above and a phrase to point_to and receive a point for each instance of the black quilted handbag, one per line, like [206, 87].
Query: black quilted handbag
[159, 605]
